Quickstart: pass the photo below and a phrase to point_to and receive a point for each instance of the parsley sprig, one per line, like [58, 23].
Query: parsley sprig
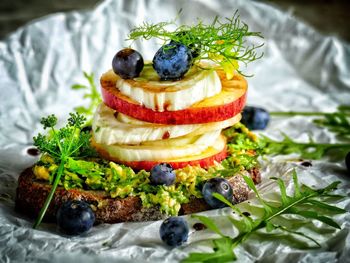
[222, 41]
[306, 203]
[62, 144]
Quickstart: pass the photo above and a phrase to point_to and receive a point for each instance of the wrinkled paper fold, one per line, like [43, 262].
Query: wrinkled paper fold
[300, 70]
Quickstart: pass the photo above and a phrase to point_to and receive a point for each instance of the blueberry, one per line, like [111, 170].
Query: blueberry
[255, 118]
[162, 174]
[347, 162]
[174, 231]
[127, 63]
[220, 186]
[172, 61]
[75, 217]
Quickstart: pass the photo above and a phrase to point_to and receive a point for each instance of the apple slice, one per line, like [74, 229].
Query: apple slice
[215, 153]
[228, 103]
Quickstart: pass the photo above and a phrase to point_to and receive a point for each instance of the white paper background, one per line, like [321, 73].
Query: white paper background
[301, 70]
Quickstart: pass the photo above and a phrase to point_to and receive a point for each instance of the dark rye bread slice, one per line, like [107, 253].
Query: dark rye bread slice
[31, 195]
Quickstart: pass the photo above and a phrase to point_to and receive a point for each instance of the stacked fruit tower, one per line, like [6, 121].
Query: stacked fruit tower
[169, 111]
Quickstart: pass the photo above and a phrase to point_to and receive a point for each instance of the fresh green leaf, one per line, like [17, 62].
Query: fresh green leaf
[223, 252]
[329, 188]
[268, 208]
[223, 199]
[336, 122]
[297, 193]
[91, 94]
[307, 150]
[315, 215]
[344, 108]
[298, 204]
[247, 222]
[270, 227]
[209, 223]
[323, 205]
[285, 229]
[78, 86]
[284, 197]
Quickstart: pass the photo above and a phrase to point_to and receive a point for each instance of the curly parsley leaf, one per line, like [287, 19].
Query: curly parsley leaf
[306, 203]
[69, 141]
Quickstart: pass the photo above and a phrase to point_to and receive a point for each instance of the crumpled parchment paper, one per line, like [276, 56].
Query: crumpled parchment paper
[301, 70]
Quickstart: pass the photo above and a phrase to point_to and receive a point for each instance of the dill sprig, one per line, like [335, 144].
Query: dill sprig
[222, 42]
[69, 141]
[306, 203]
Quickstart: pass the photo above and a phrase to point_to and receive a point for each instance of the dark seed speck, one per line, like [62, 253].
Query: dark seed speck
[306, 164]
[199, 226]
[246, 213]
[33, 151]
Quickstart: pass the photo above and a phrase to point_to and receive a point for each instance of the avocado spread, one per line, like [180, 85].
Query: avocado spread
[120, 181]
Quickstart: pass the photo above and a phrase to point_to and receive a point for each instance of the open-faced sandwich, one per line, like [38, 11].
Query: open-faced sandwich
[167, 134]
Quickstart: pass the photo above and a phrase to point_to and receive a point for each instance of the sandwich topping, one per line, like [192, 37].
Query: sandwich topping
[110, 127]
[120, 181]
[175, 117]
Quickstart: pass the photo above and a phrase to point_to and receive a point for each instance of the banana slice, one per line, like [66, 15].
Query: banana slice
[109, 127]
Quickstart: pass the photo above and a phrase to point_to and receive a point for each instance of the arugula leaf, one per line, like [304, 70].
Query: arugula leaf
[210, 224]
[294, 205]
[315, 215]
[91, 93]
[222, 252]
[307, 150]
[331, 208]
[337, 122]
[285, 229]
[69, 141]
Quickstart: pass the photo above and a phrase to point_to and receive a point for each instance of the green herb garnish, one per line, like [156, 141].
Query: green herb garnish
[223, 42]
[306, 203]
[307, 150]
[91, 94]
[337, 122]
[62, 144]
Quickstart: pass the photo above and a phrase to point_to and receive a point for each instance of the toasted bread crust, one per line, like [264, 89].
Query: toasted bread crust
[31, 195]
